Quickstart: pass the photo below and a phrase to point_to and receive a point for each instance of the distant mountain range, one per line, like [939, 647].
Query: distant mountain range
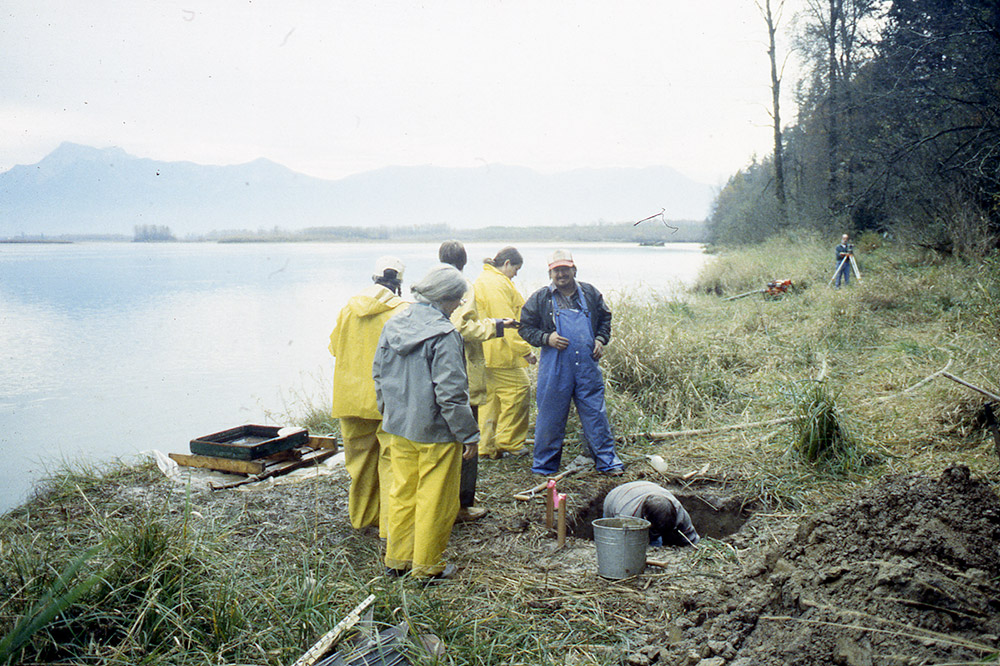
[83, 190]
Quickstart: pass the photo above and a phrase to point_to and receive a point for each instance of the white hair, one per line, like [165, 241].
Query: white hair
[442, 283]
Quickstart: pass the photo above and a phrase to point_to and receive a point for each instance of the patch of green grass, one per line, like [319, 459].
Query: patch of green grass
[822, 434]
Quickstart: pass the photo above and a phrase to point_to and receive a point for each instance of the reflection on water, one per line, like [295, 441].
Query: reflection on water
[109, 349]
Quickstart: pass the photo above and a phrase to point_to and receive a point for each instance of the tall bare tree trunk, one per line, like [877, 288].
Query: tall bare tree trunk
[833, 105]
[779, 162]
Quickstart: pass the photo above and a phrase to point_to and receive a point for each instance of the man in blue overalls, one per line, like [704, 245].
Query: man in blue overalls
[570, 322]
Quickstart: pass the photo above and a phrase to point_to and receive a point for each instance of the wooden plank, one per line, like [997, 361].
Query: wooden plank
[324, 644]
[313, 457]
[309, 457]
[320, 442]
[249, 467]
[290, 454]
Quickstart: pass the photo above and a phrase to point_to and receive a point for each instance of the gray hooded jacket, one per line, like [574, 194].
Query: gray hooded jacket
[421, 385]
[627, 499]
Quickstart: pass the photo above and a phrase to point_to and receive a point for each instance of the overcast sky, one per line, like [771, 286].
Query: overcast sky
[331, 87]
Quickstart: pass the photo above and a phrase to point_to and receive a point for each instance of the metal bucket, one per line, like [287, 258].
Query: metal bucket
[621, 546]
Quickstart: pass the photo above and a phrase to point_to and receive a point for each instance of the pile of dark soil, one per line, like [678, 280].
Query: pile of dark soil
[906, 572]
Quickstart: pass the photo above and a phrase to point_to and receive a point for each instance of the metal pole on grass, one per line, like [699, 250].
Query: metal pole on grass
[854, 265]
[839, 266]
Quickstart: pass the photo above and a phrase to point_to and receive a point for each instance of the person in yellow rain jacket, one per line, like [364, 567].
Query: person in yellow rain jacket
[353, 343]
[475, 330]
[503, 418]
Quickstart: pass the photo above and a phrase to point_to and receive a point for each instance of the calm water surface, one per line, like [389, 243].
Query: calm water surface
[109, 349]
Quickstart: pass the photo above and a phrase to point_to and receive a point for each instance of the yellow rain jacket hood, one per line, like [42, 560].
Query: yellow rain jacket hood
[498, 298]
[353, 343]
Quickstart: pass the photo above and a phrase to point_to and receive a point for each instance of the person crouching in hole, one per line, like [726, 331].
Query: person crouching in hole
[669, 522]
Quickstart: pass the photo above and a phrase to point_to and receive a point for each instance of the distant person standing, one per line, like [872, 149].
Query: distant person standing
[844, 254]
[571, 323]
[475, 330]
[503, 418]
[353, 343]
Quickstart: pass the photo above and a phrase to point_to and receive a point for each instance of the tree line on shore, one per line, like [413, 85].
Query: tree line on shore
[897, 131]
[653, 231]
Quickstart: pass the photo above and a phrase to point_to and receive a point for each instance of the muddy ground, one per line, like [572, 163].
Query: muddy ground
[905, 572]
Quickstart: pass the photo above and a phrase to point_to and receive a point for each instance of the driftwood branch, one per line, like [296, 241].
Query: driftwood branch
[988, 394]
[746, 293]
[923, 381]
[706, 431]
[526, 495]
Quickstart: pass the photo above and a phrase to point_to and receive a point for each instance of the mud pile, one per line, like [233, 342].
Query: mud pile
[907, 572]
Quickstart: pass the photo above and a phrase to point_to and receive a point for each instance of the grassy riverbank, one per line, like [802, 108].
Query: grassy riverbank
[119, 566]
[706, 361]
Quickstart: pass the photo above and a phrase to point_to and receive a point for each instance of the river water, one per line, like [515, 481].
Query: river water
[110, 349]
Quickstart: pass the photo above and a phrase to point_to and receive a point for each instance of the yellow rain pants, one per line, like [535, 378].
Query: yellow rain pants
[423, 504]
[503, 418]
[366, 458]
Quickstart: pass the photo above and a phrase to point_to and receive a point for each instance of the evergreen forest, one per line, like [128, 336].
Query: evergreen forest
[897, 129]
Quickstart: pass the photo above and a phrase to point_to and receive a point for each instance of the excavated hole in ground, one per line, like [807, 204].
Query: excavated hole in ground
[715, 513]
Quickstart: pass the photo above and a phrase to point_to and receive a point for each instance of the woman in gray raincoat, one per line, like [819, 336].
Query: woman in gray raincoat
[422, 391]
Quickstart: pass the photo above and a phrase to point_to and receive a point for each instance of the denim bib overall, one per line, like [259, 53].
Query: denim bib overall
[566, 374]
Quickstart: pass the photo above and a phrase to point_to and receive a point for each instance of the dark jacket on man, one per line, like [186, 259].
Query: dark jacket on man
[538, 320]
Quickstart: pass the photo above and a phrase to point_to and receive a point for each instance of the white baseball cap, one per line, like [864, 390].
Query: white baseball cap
[386, 262]
[561, 258]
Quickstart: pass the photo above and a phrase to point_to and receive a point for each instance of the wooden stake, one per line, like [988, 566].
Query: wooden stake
[561, 508]
[550, 502]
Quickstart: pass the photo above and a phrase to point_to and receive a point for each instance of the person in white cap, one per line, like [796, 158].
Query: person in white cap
[571, 323]
[353, 343]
